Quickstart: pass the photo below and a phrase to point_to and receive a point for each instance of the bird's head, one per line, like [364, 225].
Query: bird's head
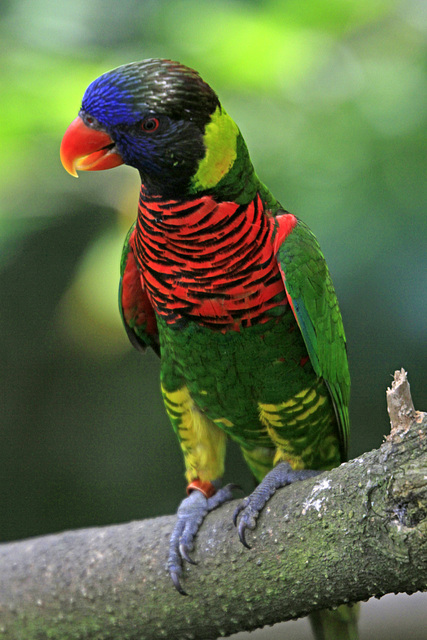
[159, 117]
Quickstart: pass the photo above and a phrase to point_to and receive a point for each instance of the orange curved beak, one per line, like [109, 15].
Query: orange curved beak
[85, 149]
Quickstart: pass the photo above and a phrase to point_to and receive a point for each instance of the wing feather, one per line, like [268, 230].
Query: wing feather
[312, 297]
[135, 307]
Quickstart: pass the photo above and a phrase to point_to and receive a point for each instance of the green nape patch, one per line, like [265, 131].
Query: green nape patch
[221, 150]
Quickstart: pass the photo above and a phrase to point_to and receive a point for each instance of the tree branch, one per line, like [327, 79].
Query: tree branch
[354, 532]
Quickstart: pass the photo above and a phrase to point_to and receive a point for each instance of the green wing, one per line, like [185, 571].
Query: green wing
[135, 307]
[312, 297]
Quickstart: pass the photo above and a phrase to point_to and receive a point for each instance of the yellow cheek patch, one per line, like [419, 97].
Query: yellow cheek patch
[221, 142]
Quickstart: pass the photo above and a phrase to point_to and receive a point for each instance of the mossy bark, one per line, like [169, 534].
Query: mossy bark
[352, 533]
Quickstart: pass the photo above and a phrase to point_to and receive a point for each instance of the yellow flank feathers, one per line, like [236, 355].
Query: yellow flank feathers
[296, 426]
[306, 394]
[273, 414]
[296, 462]
[220, 142]
[223, 422]
[321, 400]
[202, 442]
[259, 461]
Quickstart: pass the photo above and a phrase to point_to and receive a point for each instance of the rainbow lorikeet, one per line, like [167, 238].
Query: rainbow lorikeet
[228, 288]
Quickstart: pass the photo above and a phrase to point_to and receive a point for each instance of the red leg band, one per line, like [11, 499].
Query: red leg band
[207, 488]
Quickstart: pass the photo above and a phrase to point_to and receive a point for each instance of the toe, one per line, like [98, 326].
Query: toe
[240, 507]
[248, 510]
[175, 579]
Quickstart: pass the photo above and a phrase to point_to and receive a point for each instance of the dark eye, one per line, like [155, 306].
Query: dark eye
[150, 124]
[89, 120]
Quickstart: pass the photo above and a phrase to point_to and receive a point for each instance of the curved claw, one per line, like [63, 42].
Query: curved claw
[175, 579]
[183, 550]
[242, 531]
[238, 509]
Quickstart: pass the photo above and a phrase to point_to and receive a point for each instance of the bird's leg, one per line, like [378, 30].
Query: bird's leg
[203, 497]
[250, 508]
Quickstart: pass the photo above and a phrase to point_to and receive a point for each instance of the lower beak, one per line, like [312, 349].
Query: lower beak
[86, 149]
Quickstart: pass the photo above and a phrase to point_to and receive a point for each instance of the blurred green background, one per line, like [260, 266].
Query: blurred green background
[331, 98]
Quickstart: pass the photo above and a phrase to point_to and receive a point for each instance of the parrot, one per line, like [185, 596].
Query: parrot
[228, 288]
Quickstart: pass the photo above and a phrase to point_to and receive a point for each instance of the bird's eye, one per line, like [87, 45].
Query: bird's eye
[90, 121]
[150, 124]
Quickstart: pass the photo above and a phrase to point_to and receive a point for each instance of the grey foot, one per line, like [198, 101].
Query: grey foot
[191, 513]
[250, 508]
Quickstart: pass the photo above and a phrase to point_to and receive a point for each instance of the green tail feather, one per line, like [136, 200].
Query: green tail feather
[340, 624]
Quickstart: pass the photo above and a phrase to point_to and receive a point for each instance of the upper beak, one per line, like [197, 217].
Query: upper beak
[86, 149]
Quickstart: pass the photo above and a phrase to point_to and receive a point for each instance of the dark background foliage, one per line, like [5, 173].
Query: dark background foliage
[331, 98]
